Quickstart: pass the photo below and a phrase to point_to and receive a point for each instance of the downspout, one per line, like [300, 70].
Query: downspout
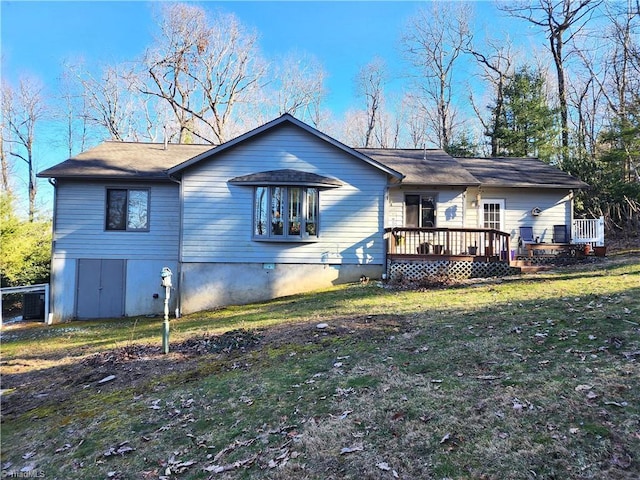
[49, 314]
[464, 207]
[385, 213]
[571, 205]
[179, 268]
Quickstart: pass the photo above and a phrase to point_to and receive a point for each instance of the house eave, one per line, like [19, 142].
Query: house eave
[111, 178]
[536, 185]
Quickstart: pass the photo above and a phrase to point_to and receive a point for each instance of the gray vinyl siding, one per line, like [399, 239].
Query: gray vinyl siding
[555, 206]
[450, 206]
[80, 223]
[554, 203]
[218, 217]
[453, 211]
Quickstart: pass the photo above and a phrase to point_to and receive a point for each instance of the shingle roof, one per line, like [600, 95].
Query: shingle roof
[125, 160]
[428, 167]
[423, 166]
[519, 172]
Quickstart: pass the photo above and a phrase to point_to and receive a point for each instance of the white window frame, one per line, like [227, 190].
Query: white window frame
[269, 236]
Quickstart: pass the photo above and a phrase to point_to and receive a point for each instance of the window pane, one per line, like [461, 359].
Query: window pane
[412, 209]
[428, 212]
[137, 215]
[261, 212]
[277, 211]
[492, 215]
[312, 212]
[116, 209]
[295, 210]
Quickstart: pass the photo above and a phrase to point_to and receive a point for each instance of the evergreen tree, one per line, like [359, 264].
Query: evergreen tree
[26, 247]
[462, 145]
[618, 180]
[526, 125]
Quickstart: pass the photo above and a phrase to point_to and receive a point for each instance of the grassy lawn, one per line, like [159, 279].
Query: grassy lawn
[522, 378]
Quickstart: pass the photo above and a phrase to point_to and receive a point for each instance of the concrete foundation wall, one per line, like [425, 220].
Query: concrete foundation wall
[210, 285]
[63, 289]
[143, 281]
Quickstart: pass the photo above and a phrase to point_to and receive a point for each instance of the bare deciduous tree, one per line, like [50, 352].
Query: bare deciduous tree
[4, 154]
[22, 109]
[203, 69]
[110, 101]
[370, 85]
[497, 65]
[433, 43]
[299, 86]
[72, 110]
[562, 21]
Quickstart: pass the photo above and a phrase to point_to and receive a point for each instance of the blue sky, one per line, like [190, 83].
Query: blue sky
[37, 37]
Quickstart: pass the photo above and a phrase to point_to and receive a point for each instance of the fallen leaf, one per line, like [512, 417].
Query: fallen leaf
[107, 379]
[383, 466]
[66, 446]
[121, 449]
[214, 468]
[582, 388]
[355, 448]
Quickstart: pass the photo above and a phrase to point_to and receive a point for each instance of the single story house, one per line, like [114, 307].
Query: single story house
[281, 209]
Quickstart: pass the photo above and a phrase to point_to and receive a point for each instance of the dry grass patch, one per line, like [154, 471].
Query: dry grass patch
[532, 377]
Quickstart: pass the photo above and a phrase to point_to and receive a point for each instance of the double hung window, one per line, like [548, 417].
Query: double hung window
[285, 213]
[127, 209]
[420, 210]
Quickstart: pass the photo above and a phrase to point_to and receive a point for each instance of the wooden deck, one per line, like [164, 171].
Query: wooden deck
[461, 244]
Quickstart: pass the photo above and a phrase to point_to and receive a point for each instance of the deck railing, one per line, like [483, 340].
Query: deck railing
[588, 230]
[487, 244]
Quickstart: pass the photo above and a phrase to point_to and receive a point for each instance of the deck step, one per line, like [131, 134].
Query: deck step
[527, 266]
[535, 268]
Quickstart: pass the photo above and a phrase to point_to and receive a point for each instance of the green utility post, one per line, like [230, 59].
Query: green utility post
[166, 283]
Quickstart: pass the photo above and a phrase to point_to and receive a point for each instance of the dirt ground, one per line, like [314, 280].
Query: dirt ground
[138, 365]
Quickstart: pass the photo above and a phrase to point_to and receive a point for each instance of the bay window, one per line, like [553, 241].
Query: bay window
[285, 213]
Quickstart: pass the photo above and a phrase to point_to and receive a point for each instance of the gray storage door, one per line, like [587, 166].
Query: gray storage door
[100, 292]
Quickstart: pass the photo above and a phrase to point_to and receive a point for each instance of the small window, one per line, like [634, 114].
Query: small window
[127, 209]
[420, 211]
[285, 213]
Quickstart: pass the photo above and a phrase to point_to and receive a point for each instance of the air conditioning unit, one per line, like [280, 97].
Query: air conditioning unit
[32, 306]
